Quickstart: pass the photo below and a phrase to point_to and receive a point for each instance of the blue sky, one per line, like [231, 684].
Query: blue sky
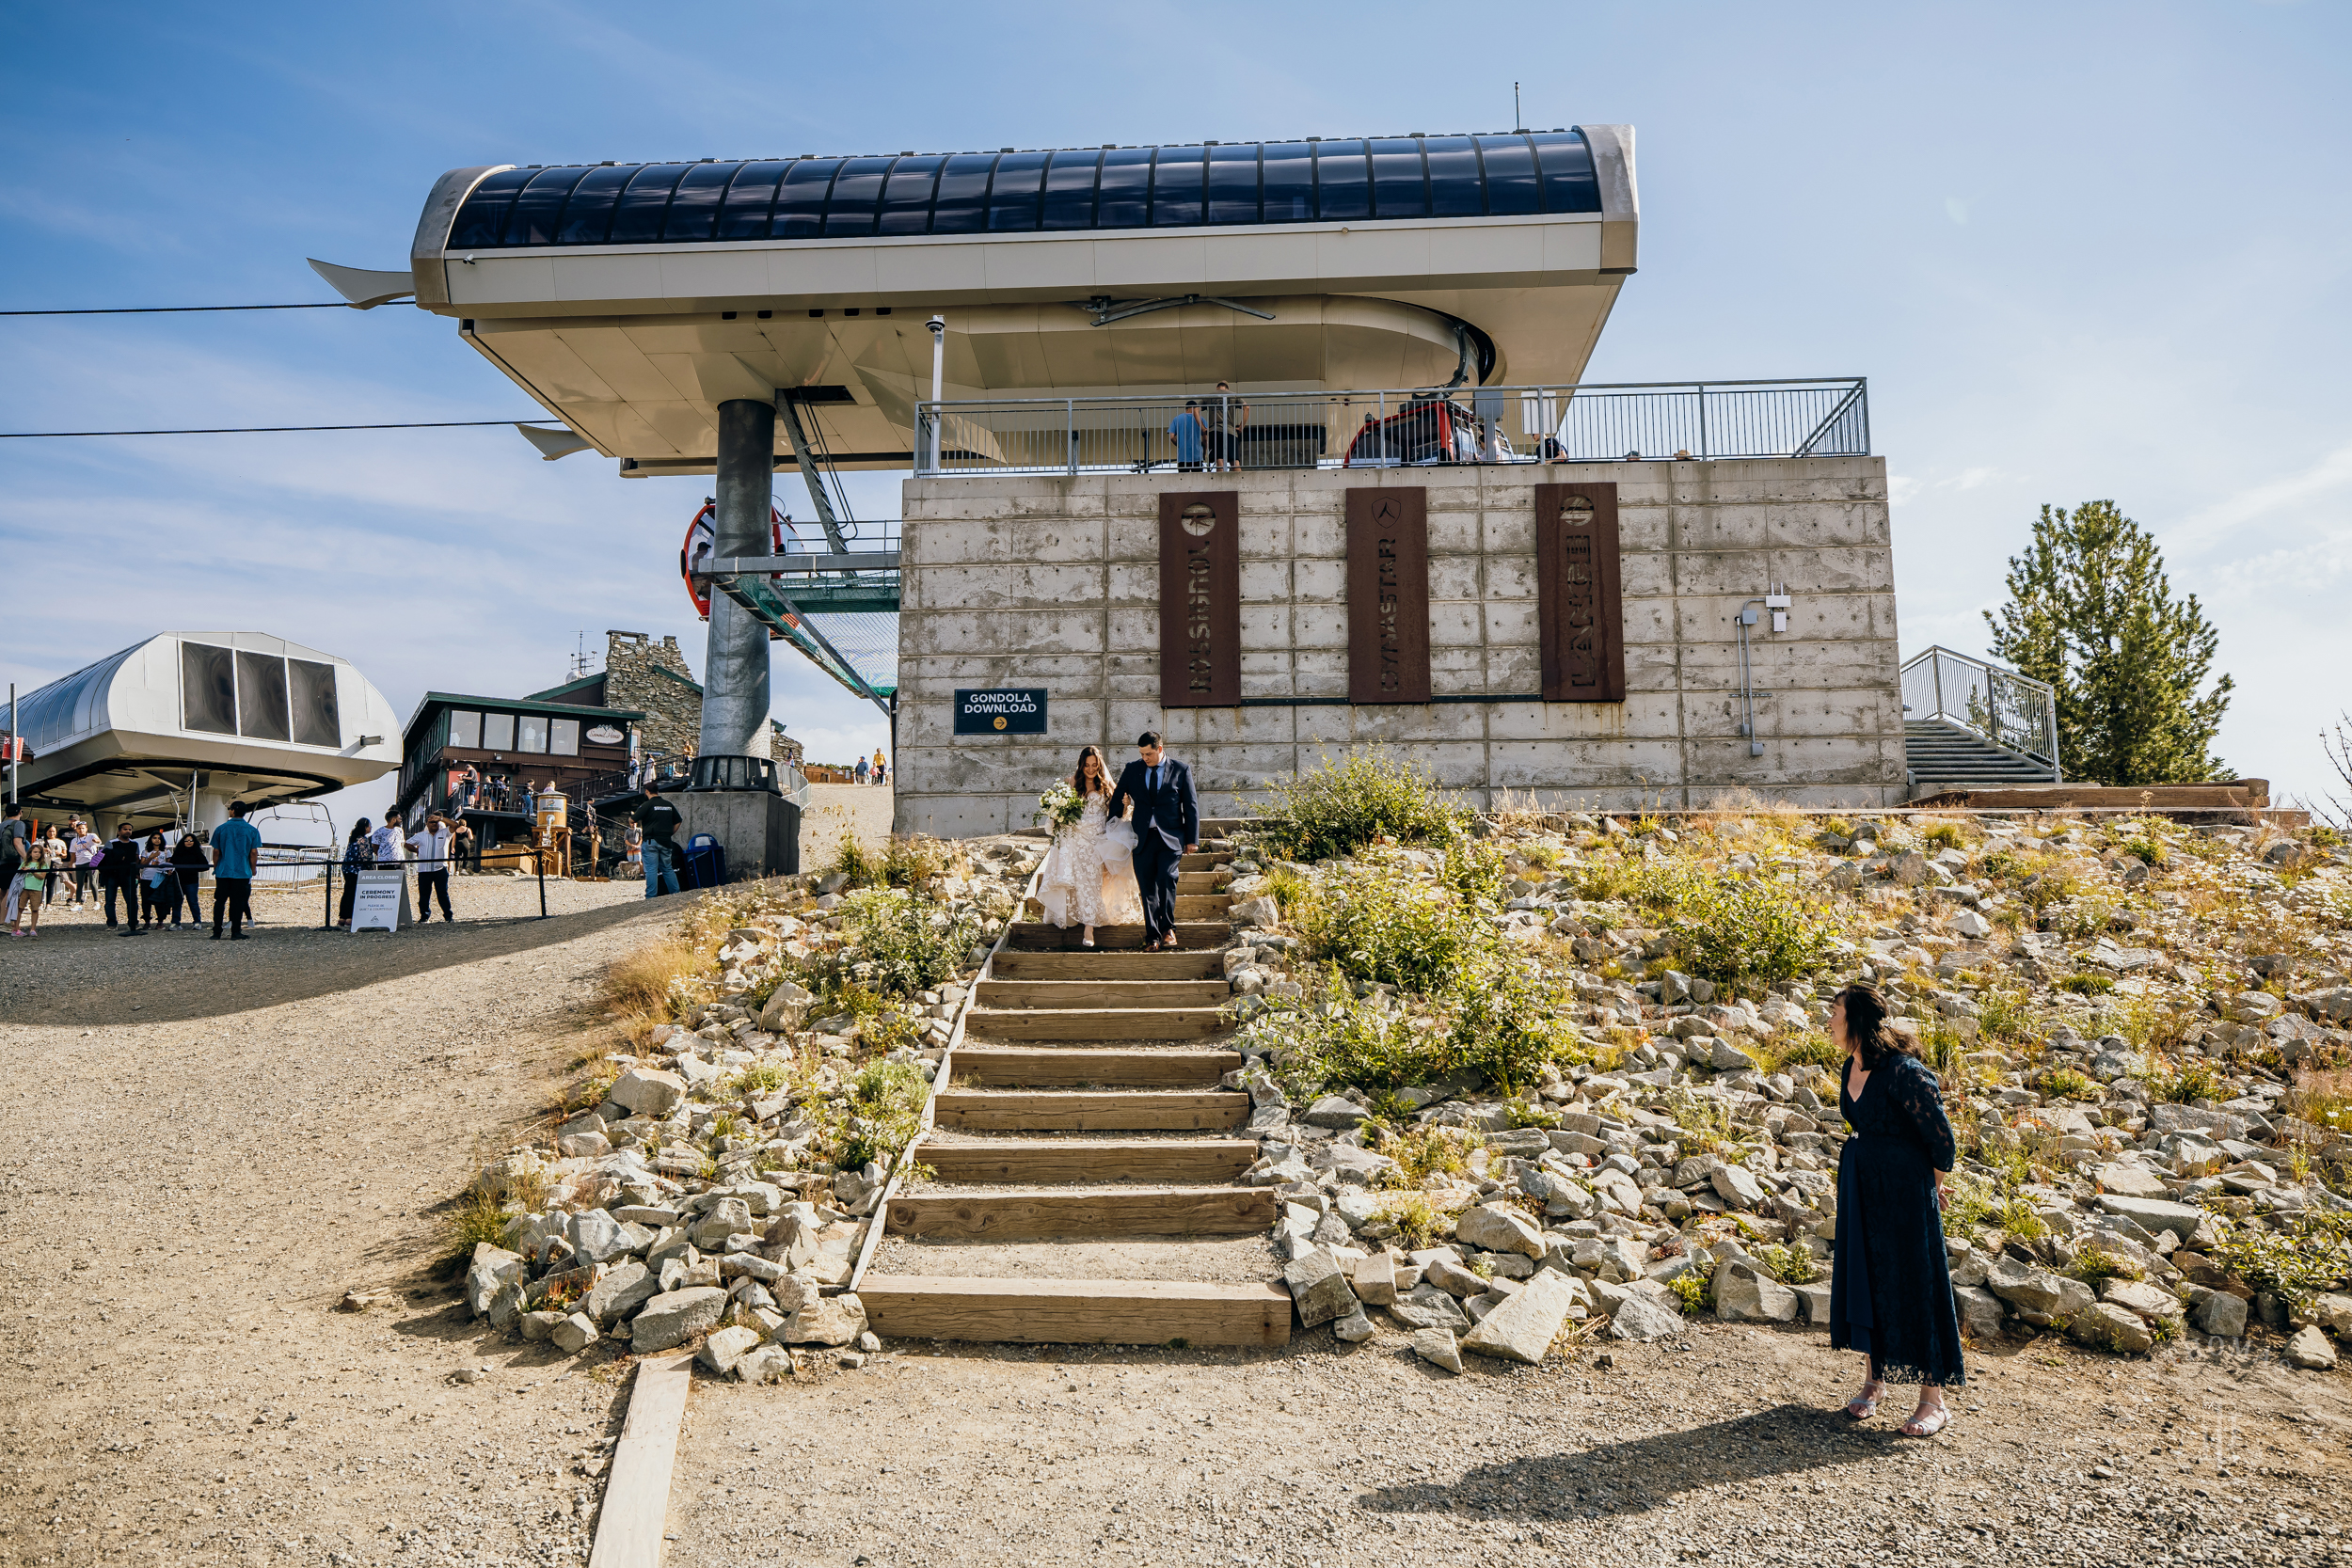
[2080, 250]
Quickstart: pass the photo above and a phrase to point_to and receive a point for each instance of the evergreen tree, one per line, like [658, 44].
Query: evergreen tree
[2091, 612]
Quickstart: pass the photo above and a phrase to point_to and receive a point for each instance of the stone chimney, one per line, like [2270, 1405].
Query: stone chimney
[636, 674]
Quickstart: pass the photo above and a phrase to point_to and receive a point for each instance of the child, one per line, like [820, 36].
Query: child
[40, 857]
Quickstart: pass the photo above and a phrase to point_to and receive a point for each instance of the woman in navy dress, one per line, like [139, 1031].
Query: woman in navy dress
[1890, 1293]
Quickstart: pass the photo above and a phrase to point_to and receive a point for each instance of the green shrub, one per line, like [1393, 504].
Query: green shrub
[913, 859]
[903, 944]
[1792, 1261]
[2184, 1083]
[1377, 922]
[2005, 1015]
[2096, 1263]
[1422, 1151]
[1693, 1292]
[1807, 1049]
[883, 1114]
[861, 866]
[2088, 984]
[1944, 835]
[1508, 1021]
[2297, 1260]
[1330, 1040]
[2064, 1082]
[1418, 1222]
[1337, 807]
[1746, 934]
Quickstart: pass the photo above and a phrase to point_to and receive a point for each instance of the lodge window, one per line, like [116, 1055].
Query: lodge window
[465, 730]
[563, 736]
[530, 733]
[498, 732]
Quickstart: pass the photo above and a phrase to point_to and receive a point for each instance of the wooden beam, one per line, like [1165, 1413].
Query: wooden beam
[1011, 1160]
[1093, 992]
[1098, 1024]
[1016, 964]
[1052, 1214]
[1107, 1111]
[1203, 906]
[1063, 1066]
[1077, 1312]
[636, 1508]
[1035, 935]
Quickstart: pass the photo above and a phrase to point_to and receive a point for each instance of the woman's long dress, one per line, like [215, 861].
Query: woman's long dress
[1089, 880]
[1890, 1293]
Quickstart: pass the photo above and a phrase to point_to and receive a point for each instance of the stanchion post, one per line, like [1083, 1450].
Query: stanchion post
[326, 920]
[542, 858]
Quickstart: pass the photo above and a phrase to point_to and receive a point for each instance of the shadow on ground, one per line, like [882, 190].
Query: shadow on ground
[1643, 1472]
[91, 976]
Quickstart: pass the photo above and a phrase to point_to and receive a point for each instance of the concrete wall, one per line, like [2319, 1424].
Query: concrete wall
[1055, 582]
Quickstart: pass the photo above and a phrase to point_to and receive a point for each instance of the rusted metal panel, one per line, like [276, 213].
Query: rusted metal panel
[1388, 595]
[1582, 617]
[1200, 598]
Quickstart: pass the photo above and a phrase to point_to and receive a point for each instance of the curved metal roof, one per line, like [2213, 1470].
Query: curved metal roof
[1068, 189]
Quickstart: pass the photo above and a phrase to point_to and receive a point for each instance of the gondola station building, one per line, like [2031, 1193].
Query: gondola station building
[1278, 448]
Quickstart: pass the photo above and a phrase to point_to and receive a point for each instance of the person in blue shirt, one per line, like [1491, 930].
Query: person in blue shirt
[234, 844]
[1186, 430]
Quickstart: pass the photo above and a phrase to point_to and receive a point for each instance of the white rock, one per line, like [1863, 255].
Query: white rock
[825, 1321]
[1497, 1228]
[1523, 1327]
[574, 1334]
[2310, 1350]
[647, 1091]
[726, 1347]
[1643, 1317]
[1436, 1346]
[1746, 1293]
[668, 1320]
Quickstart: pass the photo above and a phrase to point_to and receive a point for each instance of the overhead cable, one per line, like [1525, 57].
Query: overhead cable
[266, 429]
[177, 310]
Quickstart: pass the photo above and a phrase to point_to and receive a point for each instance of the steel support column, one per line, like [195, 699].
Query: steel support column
[734, 669]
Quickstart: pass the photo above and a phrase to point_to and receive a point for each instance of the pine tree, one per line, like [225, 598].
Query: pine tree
[2091, 612]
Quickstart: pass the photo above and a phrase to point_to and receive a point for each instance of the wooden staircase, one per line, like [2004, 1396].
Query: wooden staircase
[1082, 1124]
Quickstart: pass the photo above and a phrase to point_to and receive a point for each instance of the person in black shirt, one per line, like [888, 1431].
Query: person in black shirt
[119, 873]
[189, 861]
[659, 819]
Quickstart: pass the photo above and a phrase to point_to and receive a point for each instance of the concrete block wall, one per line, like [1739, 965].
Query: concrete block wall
[1053, 582]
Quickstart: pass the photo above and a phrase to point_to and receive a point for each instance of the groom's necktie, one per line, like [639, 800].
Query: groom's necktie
[1154, 775]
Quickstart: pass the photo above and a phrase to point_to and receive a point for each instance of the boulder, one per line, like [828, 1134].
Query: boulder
[1644, 1317]
[1353, 1327]
[492, 1267]
[2333, 1312]
[1376, 1279]
[1334, 1110]
[620, 1292]
[1453, 1278]
[1496, 1228]
[729, 1216]
[1426, 1306]
[1980, 1310]
[725, 1347]
[1523, 1327]
[574, 1334]
[2153, 1215]
[2149, 1300]
[2310, 1350]
[2037, 1291]
[1813, 1300]
[597, 1236]
[538, 1326]
[502, 1177]
[1737, 1187]
[765, 1364]
[2129, 1180]
[647, 1091]
[1744, 1292]
[1318, 1287]
[668, 1320]
[2105, 1326]
[2222, 1315]
[825, 1321]
[1258, 912]
[507, 1305]
[1436, 1346]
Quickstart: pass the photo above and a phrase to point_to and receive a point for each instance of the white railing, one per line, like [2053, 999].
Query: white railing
[1212, 432]
[2007, 709]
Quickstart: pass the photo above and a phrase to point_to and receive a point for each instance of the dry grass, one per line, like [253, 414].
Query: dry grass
[641, 983]
[2323, 1098]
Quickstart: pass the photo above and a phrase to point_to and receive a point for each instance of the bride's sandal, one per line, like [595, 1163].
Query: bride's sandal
[1927, 1423]
[1086, 938]
[1865, 1404]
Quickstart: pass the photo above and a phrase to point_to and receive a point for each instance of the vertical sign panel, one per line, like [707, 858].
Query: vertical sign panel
[1388, 596]
[1576, 568]
[1200, 598]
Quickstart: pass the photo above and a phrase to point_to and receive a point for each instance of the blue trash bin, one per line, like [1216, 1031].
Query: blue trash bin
[705, 861]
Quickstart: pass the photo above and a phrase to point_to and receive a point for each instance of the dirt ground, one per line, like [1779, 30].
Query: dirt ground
[210, 1142]
[840, 811]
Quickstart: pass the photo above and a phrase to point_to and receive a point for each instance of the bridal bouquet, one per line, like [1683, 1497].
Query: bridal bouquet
[1060, 805]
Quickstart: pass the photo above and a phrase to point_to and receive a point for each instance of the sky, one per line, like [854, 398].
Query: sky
[2081, 251]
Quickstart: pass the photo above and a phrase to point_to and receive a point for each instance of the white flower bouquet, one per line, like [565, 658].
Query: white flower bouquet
[1060, 806]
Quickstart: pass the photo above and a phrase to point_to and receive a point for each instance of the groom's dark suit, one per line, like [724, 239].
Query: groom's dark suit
[1167, 817]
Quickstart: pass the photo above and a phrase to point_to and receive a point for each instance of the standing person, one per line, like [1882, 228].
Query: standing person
[43, 857]
[596, 844]
[16, 843]
[1168, 828]
[159, 889]
[633, 851]
[391, 844]
[463, 847]
[1089, 879]
[1225, 415]
[359, 855]
[471, 789]
[881, 765]
[187, 860]
[235, 843]
[860, 770]
[84, 847]
[119, 873]
[1186, 431]
[1890, 1287]
[659, 819]
[432, 848]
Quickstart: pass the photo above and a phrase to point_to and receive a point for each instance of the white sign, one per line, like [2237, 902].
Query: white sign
[604, 735]
[380, 901]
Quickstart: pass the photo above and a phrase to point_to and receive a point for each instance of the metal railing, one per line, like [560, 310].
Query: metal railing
[1406, 427]
[2007, 709]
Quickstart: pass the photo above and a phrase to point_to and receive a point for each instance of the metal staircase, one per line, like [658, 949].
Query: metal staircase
[1967, 723]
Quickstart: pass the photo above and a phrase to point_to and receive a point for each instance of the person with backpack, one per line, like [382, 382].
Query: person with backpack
[359, 855]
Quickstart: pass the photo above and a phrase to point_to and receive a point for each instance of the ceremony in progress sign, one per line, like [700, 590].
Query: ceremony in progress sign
[1001, 711]
[380, 901]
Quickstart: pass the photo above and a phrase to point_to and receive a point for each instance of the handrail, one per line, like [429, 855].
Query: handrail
[2012, 710]
[1398, 426]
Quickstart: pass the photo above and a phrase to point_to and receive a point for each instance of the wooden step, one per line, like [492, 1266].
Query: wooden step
[1076, 1311]
[1035, 935]
[1092, 993]
[1202, 881]
[1091, 1111]
[1063, 1066]
[1204, 861]
[1047, 1214]
[1018, 1160]
[1016, 963]
[1096, 1023]
[1203, 906]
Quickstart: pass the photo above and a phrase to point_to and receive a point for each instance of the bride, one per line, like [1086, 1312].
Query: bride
[1089, 874]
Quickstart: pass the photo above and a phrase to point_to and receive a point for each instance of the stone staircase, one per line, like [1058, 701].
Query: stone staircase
[1941, 756]
[1082, 1166]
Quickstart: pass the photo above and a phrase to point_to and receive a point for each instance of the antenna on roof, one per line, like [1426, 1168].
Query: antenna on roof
[1518, 121]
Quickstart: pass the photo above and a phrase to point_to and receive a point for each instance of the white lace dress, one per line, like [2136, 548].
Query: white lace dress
[1089, 880]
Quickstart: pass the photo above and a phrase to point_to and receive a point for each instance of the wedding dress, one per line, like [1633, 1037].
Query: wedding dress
[1090, 873]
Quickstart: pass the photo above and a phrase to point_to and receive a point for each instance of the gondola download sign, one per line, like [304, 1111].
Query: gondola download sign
[1001, 711]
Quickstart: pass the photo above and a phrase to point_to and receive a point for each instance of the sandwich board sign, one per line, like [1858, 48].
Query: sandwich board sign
[380, 901]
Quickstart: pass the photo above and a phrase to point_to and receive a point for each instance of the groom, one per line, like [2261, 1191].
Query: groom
[1167, 825]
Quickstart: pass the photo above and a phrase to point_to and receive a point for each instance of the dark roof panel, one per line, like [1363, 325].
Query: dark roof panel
[1127, 187]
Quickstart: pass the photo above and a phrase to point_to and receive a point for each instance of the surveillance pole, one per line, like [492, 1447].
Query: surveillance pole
[939, 375]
